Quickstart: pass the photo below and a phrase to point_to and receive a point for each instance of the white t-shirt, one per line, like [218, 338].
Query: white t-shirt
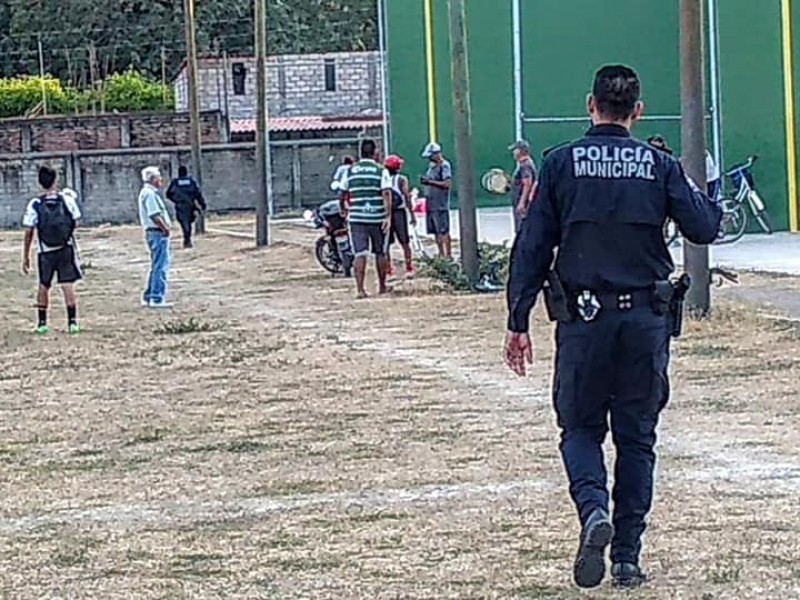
[712, 169]
[31, 217]
[341, 173]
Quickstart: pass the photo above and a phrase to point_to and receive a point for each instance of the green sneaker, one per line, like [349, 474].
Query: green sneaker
[42, 330]
[74, 329]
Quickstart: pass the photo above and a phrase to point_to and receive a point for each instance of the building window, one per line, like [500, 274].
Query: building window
[239, 73]
[330, 75]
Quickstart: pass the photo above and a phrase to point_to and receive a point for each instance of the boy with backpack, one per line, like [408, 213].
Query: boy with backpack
[52, 217]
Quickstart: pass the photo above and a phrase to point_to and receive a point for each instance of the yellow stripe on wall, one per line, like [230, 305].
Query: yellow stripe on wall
[429, 67]
[791, 136]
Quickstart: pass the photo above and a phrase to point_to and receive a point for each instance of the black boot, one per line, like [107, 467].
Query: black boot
[590, 563]
[627, 575]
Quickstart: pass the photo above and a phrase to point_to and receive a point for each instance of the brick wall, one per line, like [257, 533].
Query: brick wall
[297, 86]
[105, 132]
[108, 183]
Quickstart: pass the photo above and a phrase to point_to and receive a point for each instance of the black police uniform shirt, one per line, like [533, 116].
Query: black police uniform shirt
[603, 201]
[184, 192]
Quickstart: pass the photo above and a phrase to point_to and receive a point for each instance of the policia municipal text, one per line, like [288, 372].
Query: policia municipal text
[602, 202]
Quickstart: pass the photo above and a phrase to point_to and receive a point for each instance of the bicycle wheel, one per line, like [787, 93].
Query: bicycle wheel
[670, 232]
[760, 212]
[734, 222]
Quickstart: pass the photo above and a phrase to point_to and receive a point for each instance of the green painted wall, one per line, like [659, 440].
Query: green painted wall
[561, 55]
[753, 96]
[564, 41]
[490, 58]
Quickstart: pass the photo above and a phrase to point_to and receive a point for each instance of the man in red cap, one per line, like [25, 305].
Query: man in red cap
[401, 209]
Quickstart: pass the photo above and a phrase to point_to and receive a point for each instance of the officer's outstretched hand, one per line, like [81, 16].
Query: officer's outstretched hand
[519, 352]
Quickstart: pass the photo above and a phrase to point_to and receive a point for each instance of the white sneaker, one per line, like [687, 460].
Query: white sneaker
[161, 304]
[145, 303]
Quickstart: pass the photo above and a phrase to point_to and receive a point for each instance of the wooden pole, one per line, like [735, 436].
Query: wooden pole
[194, 103]
[693, 144]
[263, 159]
[465, 166]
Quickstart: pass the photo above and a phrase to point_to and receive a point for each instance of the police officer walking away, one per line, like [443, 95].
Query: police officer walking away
[188, 199]
[602, 201]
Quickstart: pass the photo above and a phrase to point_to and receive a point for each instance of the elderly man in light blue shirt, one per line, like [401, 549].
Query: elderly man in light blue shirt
[156, 223]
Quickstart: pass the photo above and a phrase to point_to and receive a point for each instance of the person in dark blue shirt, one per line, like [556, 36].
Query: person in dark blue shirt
[188, 199]
[602, 201]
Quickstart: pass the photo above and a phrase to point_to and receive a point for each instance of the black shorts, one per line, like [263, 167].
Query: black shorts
[400, 232]
[63, 263]
[365, 237]
[438, 222]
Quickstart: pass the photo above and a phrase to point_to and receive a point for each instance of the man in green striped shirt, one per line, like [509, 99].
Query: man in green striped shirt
[367, 202]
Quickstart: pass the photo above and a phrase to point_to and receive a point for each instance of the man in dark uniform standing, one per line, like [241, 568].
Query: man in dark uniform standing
[188, 199]
[602, 201]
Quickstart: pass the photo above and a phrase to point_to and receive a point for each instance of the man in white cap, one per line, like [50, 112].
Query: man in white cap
[156, 224]
[439, 181]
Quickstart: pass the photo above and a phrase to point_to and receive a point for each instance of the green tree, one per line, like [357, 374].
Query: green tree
[89, 40]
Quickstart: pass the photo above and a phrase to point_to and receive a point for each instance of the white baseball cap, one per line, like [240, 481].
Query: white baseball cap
[431, 149]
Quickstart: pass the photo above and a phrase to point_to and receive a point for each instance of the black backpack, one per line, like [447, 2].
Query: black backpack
[56, 224]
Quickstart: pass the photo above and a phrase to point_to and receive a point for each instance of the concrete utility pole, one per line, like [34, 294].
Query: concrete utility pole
[262, 129]
[693, 143]
[194, 103]
[465, 166]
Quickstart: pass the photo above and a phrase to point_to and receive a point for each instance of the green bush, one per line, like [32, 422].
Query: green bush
[493, 268]
[123, 92]
[131, 92]
[18, 96]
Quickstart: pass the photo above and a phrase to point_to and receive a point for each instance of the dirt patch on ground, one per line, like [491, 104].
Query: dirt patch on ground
[272, 438]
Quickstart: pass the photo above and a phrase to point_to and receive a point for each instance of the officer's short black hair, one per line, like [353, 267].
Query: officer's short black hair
[368, 148]
[47, 177]
[616, 91]
[183, 171]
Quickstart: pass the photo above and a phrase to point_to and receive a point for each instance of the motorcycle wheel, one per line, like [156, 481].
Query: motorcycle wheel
[329, 260]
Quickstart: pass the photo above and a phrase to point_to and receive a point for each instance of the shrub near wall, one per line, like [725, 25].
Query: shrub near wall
[133, 92]
[19, 95]
[122, 92]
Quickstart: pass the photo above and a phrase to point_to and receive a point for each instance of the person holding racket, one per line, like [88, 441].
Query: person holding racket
[602, 201]
[523, 185]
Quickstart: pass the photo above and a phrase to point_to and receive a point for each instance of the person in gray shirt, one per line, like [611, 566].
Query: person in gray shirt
[523, 185]
[438, 180]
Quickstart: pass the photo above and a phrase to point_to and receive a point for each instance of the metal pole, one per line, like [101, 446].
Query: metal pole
[516, 23]
[384, 85]
[263, 208]
[693, 142]
[430, 71]
[463, 138]
[715, 77]
[225, 84]
[194, 103]
[41, 76]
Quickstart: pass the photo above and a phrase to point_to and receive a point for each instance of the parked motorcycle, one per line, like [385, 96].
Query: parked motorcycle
[333, 250]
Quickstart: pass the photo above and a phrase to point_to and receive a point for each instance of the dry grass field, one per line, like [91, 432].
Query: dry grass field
[270, 437]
